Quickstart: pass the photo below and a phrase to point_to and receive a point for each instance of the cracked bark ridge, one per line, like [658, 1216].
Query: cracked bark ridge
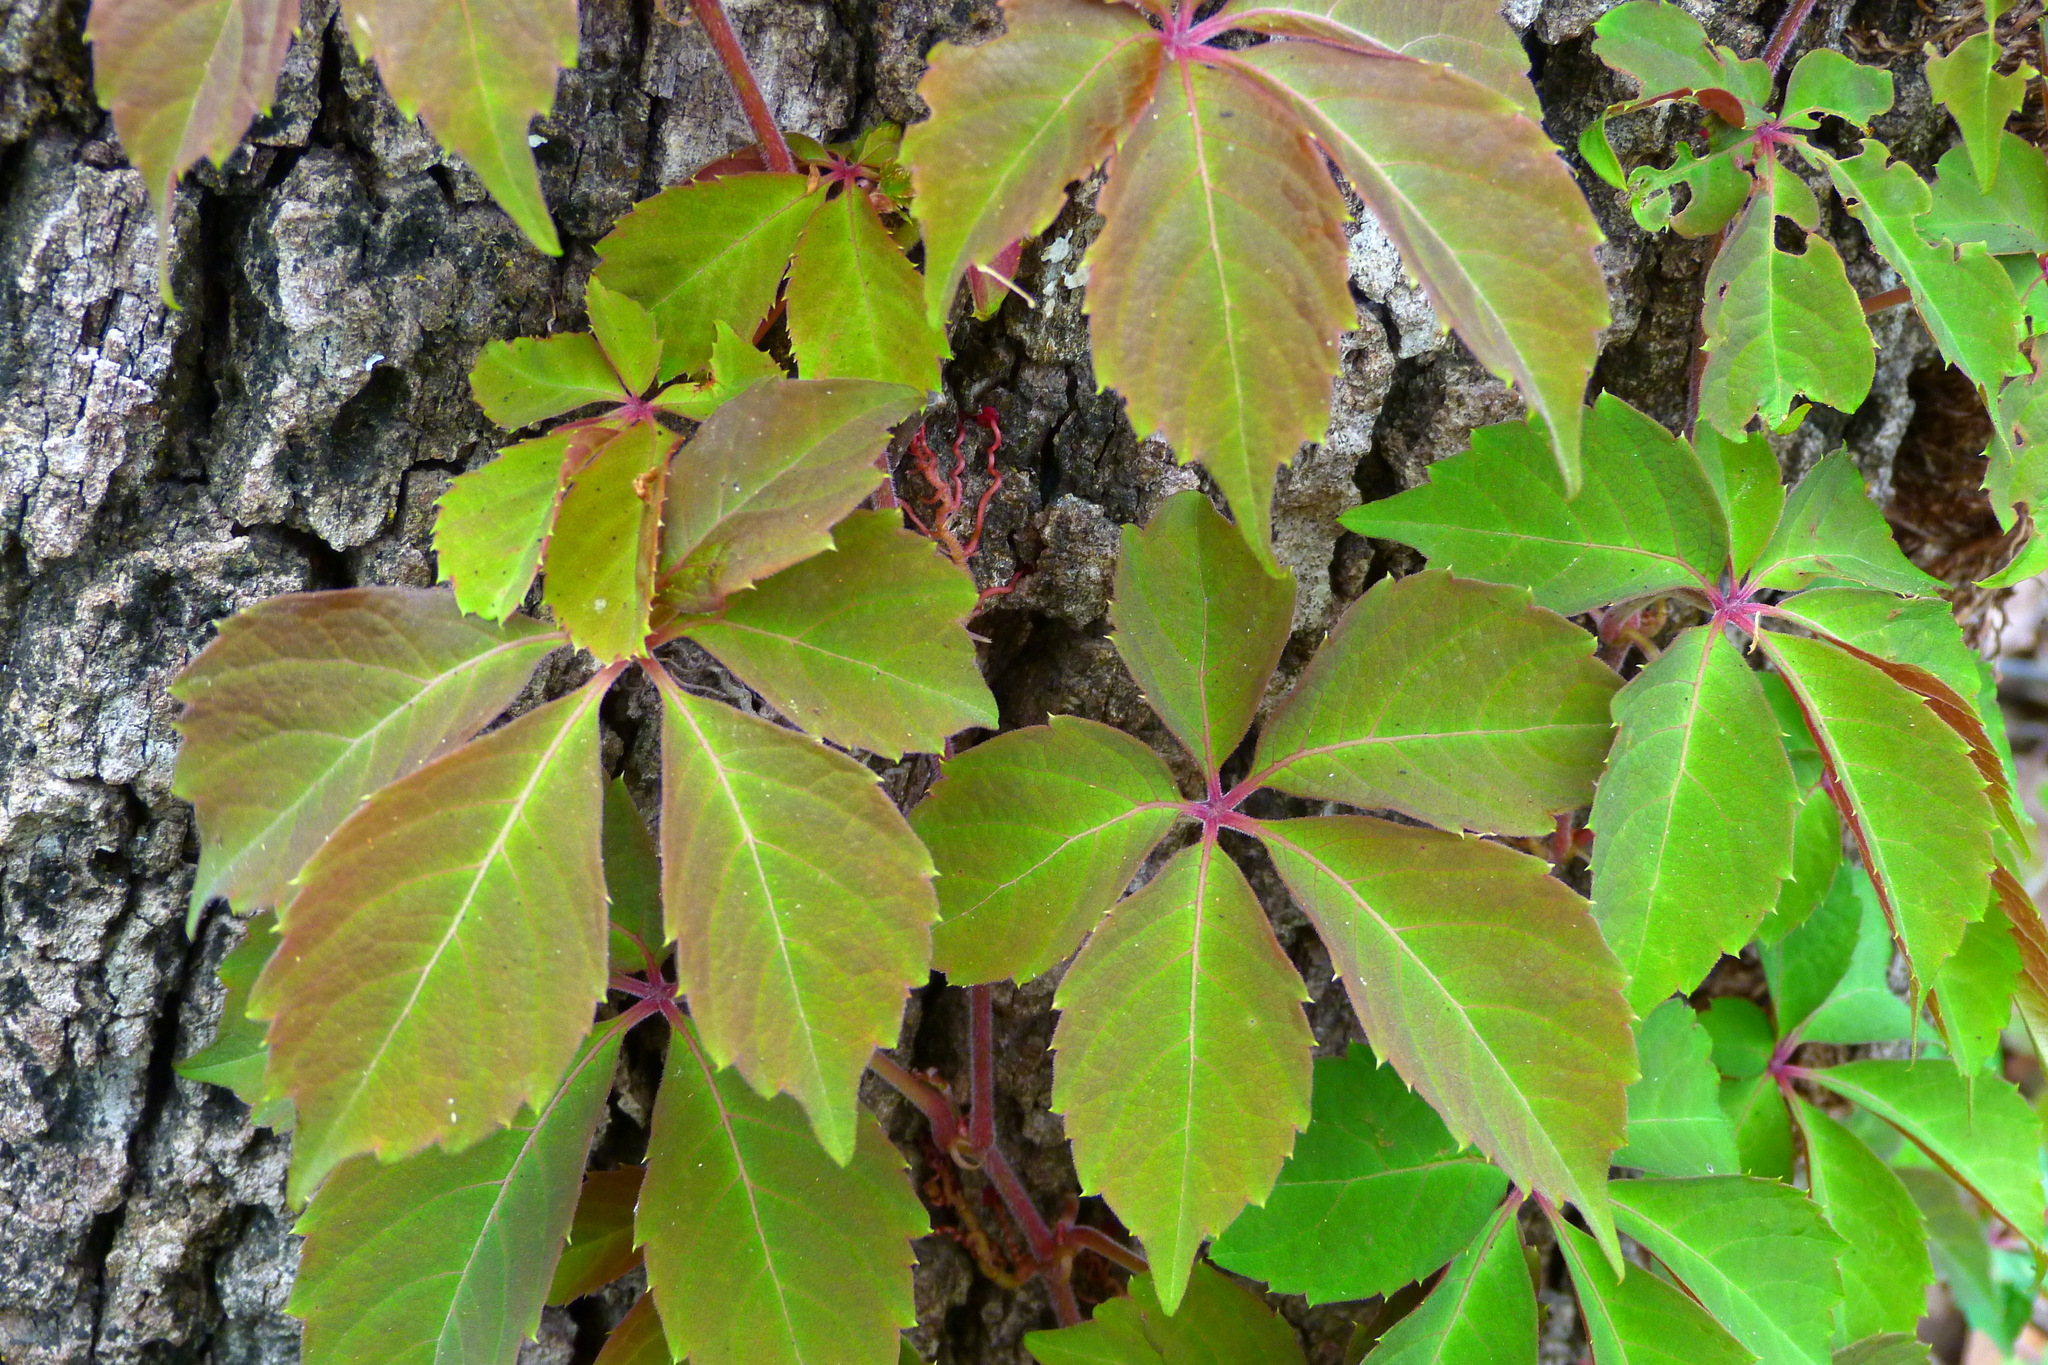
[290, 426]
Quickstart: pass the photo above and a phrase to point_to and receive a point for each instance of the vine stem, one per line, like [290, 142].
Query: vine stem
[718, 28]
[1787, 30]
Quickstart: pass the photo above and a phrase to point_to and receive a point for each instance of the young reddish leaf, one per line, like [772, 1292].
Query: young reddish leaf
[1376, 1194]
[478, 72]
[864, 644]
[447, 1257]
[762, 483]
[528, 379]
[494, 521]
[1676, 1125]
[1216, 290]
[1756, 1254]
[626, 332]
[1200, 623]
[1979, 98]
[1218, 1323]
[1693, 817]
[1669, 54]
[856, 305]
[1816, 853]
[799, 901]
[1826, 82]
[600, 561]
[736, 366]
[1829, 978]
[632, 881]
[601, 1246]
[1014, 120]
[1891, 760]
[1885, 1270]
[237, 1056]
[1452, 701]
[1486, 984]
[1468, 35]
[2010, 219]
[1035, 834]
[707, 252]
[1483, 1309]
[1647, 520]
[1184, 1059]
[1979, 1129]
[1763, 1130]
[1972, 993]
[760, 1250]
[1499, 235]
[1746, 475]
[383, 1032]
[1831, 529]
[638, 1339]
[307, 703]
[1641, 1320]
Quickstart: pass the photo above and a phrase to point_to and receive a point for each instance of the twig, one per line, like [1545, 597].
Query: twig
[1788, 30]
[733, 57]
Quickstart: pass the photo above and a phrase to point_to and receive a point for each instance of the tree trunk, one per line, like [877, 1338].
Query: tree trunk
[292, 423]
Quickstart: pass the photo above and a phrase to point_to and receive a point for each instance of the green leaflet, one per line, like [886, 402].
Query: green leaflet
[1218, 1323]
[1669, 54]
[1756, 1254]
[1826, 82]
[1035, 834]
[736, 366]
[493, 521]
[1859, 1007]
[632, 882]
[856, 305]
[1972, 993]
[1921, 632]
[1816, 853]
[477, 71]
[2009, 219]
[1641, 1320]
[238, 1054]
[1486, 984]
[1763, 1130]
[527, 379]
[601, 1246]
[1676, 1125]
[626, 332]
[1216, 291]
[1468, 35]
[382, 1033]
[1377, 1193]
[307, 703]
[760, 1250]
[2030, 935]
[600, 559]
[1183, 1059]
[1978, 98]
[864, 644]
[1740, 1035]
[703, 253]
[1452, 701]
[2019, 449]
[1893, 1348]
[1694, 816]
[1831, 529]
[799, 901]
[638, 1339]
[446, 1259]
[1977, 1128]
[1885, 1270]
[1957, 1237]
[1646, 521]
[1200, 624]
[763, 481]
[1780, 325]
[1745, 474]
[1483, 1311]
[1719, 188]
[1894, 760]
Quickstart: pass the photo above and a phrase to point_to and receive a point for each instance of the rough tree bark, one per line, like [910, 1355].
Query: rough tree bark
[292, 424]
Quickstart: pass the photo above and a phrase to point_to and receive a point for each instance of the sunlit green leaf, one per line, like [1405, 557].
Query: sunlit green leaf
[1642, 1320]
[1482, 1312]
[1918, 631]
[1826, 82]
[1893, 1348]
[493, 521]
[1035, 834]
[2011, 218]
[601, 1246]
[1831, 529]
[1979, 98]
[524, 380]
[1763, 1130]
[1746, 475]
[1885, 1270]
[1675, 1122]
[632, 880]
[1376, 1194]
[1453, 701]
[600, 557]
[237, 1056]
[1218, 1323]
[626, 332]
[736, 366]
[1183, 1059]
[1816, 853]
[856, 306]
[1718, 185]
[1669, 53]
[1973, 992]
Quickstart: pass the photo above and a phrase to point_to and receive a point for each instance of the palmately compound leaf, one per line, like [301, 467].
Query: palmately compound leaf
[1468, 35]
[1972, 993]
[707, 252]
[494, 521]
[1755, 1253]
[1216, 291]
[760, 1250]
[1977, 1128]
[1669, 53]
[447, 1258]
[1200, 623]
[307, 703]
[1780, 324]
[1647, 520]
[1035, 834]
[1641, 1320]
[238, 1054]
[1693, 817]
[1183, 1059]
[1452, 701]
[865, 644]
[1218, 1323]
[1499, 235]
[1014, 120]
[1978, 97]
[600, 557]
[2009, 220]
[601, 1246]
[528, 379]
[1885, 1270]
[1826, 82]
[1676, 1125]
[799, 901]
[1485, 982]
[1892, 760]
[632, 881]
[383, 1032]
[856, 305]
[763, 481]
[1377, 1193]
[1482, 1312]
[1831, 529]
[477, 71]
